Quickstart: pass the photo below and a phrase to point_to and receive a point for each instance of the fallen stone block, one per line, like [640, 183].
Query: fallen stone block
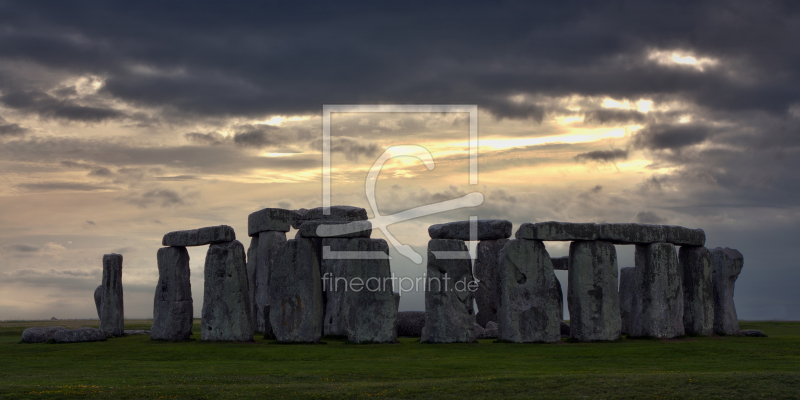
[487, 274]
[81, 335]
[694, 263]
[134, 332]
[486, 229]
[199, 237]
[489, 332]
[369, 311]
[657, 307]
[260, 258]
[40, 334]
[752, 333]
[226, 314]
[173, 310]
[449, 311]
[529, 310]
[410, 323]
[592, 295]
[113, 311]
[335, 229]
[295, 293]
[270, 219]
[727, 265]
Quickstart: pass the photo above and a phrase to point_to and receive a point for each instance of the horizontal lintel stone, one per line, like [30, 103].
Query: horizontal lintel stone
[625, 233]
[199, 237]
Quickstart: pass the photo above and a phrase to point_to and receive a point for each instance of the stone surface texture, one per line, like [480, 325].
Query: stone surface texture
[40, 334]
[199, 237]
[337, 213]
[694, 263]
[81, 335]
[98, 300]
[449, 311]
[410, 323]
[727, 265]
[335, 229]
[529, 310]
[226, 314]
[113, 312]
[752, 333]
[295, 293]
[486, 272]
[592, 295]
[560, 263]
[489, 332]
[260, 258]
[334, 284]
[624, 233]
[627, 280]
[269, 219]
[268, 333]
[487, 229]
[136, 332]
[370, 314]
[657, 307]
[173, 311]
[564, 329]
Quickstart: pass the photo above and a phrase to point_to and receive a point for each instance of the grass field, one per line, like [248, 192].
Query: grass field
[136, 367]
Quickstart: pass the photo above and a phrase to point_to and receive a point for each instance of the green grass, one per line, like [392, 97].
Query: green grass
[136, 367]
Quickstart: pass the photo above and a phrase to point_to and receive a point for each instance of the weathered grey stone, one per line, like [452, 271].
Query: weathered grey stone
[113, 312]
[369, 311]
[269, 219]
[226, 314]
[199, 237]
[260, 258]
[624, 233]
[133, 332]
[752, 333]
[487, 274]
[487, 229]
[335, 229]
[560, 263]
[334, 285]
[40, 334]
[449, 311]
[410, 323]
[529, 310]
[565, 329]
[490, 332]
[694, 263]
[592, 295]
[295, 293]
[627, 282]
[727, 265]
[337, 213]
[558, 293]
[268, 333]
[657, 307]
[81, 335]
[173, 310]
[98, 300]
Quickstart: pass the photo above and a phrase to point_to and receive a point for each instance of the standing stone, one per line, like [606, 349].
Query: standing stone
[449, 311]
[592, 295]
[698, 300]
[260, 257]
[227, 311]
[627, 280]
[334, 285]
[268, 333]
[410, 323]
[112, 319]
[727, 264]
[370, 312]
[295, 293]
[657, 309]
[486, 272]
[529, 311]
[269, 219]
[98, 300]
[173, 311]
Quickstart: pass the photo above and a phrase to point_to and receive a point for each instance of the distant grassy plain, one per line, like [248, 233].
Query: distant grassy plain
[135, 367]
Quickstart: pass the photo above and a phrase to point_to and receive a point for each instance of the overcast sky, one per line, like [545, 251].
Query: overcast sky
[121, 123]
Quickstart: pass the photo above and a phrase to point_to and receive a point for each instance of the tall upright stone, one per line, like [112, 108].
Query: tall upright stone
[529, 311]
[627, 283]
[369, 312]
[295, 293]
[727, 265]
[486, 272]
[226, 314]
[658, 296]
[696, 270]
[98, 300]
[261, 255]
[112, 319]
[449, 311]
[592, 295]
[334, 285]
[173, 311]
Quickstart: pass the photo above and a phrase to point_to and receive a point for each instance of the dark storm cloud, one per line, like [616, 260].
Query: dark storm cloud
[257, 136]
[671, 137]
[606, 116]
[47, 106]
[211, 138]
[603, 155]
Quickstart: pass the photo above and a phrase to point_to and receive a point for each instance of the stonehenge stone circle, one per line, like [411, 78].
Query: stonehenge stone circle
[269, 219]
[487, 229]
[657, 309]
[40, 334]
[410, 323]
[337, 229]
[627, 281]
[529, 311]
[696, 271]
[80, 335]
[98, 300]
[614, 233]
[369, 311]
[727, 265]
[226, 314]
[295, 293]
[592, 295]
[199, 237]
[260, 257]
[173, 312]
[486, 272]
[449, 311]
[112, 318]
